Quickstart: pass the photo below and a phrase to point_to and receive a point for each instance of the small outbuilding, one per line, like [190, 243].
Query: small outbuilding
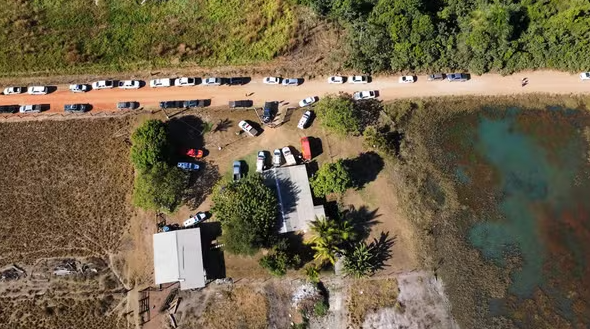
[178, 257]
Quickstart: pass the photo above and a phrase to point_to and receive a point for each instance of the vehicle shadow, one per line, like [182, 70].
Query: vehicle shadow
[315, 145]
[51, 89]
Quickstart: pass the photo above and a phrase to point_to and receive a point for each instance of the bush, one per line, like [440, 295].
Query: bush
[320, 308]
[248, 212]
[337, 113]
[150, 145]
[331, 178]
[159, 188]
[278, 260]
[312, 273]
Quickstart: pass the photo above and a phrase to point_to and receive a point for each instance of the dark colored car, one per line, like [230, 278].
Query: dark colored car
[238, 81]
[9, 108]
[269, 111]
[194, 103]
[76, 108]
[127, 105]
[171, 104]
[242, 103]
[457, 77]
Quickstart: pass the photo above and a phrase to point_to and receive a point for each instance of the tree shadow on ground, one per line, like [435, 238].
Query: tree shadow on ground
[362, 219]
[364, 168]
[222, 125]
[213, 258]
[381, 249]
[201, 185]
[297, 246]
[185, 132]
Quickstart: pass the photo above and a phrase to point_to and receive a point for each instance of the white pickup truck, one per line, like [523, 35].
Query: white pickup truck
[289, 158]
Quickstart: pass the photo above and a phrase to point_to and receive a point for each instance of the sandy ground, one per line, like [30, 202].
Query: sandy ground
[388, 88]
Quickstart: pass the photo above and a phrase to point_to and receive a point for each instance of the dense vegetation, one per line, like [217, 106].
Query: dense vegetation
[83, 36]
[158, 186]
[248, 211]
[331, 178]
[480, 36]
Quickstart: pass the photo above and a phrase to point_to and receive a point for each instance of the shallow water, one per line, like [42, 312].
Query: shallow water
[534, 164]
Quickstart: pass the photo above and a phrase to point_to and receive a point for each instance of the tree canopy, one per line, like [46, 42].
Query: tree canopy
[247, 210]
[150, 144]
[159, 187]
[331, 178]
[337, 113]
[329, 236]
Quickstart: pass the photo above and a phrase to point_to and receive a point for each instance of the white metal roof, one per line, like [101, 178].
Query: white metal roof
[178, 257]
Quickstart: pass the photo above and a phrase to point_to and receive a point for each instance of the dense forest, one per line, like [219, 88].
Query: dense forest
[478, 35]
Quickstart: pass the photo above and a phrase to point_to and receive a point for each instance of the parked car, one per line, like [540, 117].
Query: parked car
[129, 84]
[308, 101]
[268, 112]
[304, 120]
[194, 220]
[583, 76]
[185, 82]
[30, 109]
[237, 171]
[189, 166]
[367, 94]
[193, 103]
[212, 82]
[457, 77]
[127, 105]
[305, 149]
[290, 82]
[242, 103]
[9, 108]
[271, 80]
[245, 126]
[13, 90]
[79, 88]
[359, 79]
[436, 76]
[157, 83]
[276, 158]
[260, 161]
[407, 79]
[103, 84]
[37, 90]
[289, 158]
[171, 104]
[238, 81]
[76, 108]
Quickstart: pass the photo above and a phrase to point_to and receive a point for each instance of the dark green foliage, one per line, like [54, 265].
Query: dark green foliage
[150, 144]
[247, 211]
[320, 308]
[337, 113]
[359, 261]
[278, 260]
[480, 36]
[159, 187]
[331, 178]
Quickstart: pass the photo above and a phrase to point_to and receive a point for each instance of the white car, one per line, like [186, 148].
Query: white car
[79, 88]
[271, 80]
[245, 126]
[196, 219]
[260, 160]
[37, 90]
[30, 109]
[13, 90]
[290, 82]
[103, 84]
[276, 158]
[185, 82]
[129, 84]
[304, 120]
[157, 83]
[359, 79]
[367, 94]
[336, 79]
[212, 82]
[585, 76]
[308, 101]
[407, 79]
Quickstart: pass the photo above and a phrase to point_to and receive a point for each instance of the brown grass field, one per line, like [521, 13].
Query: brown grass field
[64, 189]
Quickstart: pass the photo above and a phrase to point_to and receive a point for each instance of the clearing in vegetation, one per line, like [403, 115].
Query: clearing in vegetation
[79, 36]
[369, 296]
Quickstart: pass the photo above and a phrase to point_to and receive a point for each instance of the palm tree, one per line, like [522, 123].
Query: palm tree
[328, 237]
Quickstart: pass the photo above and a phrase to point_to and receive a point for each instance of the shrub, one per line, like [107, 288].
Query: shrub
[150, 144]
[278, 260]
[331, 178]
[320, 308]
[159, 188]
[337, 113]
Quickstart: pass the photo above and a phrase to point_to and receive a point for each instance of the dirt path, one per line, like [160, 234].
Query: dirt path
[388, 87]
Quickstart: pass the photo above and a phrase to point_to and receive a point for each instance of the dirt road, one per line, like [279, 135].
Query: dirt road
[388, 87]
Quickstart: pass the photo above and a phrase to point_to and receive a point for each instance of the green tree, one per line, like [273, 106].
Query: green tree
[328, 237]
[331, 178]
[337, 113]
[312, 273]
[360, 261]
[248, 212]
[150, 144]
[159, 187]
[278, 260]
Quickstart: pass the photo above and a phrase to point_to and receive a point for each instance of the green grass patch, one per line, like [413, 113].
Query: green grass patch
[77, 36]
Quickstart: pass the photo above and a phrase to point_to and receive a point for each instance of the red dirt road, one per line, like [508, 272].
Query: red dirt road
[388, 87]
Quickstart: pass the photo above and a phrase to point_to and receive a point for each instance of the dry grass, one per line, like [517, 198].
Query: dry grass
[368, 296]
[241, 307]
[64, 189]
